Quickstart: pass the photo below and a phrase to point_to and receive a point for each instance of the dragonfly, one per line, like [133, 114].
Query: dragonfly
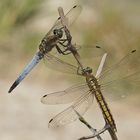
[111, 82]
[55, 38]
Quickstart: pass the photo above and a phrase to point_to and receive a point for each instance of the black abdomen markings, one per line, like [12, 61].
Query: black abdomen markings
[105, 110]
[95, 89]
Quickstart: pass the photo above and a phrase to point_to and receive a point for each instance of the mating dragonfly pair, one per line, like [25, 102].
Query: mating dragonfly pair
[108, 80]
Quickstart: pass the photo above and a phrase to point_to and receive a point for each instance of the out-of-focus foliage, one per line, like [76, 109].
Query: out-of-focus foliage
[14, 13]
[114, 25]
[16, 38]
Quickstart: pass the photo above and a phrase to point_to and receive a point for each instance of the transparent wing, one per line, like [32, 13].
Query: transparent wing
[66, 96]
[71, 16]
[126, 66]
[56, 62]
[121, 88]
[69, 115]
[123, 78]
[91, 52]
[59, 65]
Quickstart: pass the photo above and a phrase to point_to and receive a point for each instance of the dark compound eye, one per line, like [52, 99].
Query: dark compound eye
[55, 31]
[58, 32]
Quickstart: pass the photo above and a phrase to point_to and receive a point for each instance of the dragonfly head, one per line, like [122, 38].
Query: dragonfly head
[87, 70]
[58, 32]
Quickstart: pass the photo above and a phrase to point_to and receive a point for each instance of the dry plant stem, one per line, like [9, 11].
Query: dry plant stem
[88, 125]
[77, 57]
[69, 38]
[97, 133]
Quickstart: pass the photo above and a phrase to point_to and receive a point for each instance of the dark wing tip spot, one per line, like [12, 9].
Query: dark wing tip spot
[50, 120]
[44, 96]
[133, 51]
[74, 6]
[98, 47]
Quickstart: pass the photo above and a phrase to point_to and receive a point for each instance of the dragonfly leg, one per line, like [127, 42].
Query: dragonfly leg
[65, 51]
[79, 71]
[63, 40]
[62, 43]
[58, 49]
[62, 52]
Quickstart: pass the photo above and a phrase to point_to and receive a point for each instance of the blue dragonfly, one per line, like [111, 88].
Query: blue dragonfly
[55, 38]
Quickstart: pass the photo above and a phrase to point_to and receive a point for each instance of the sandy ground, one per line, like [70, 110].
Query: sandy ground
[24, 117]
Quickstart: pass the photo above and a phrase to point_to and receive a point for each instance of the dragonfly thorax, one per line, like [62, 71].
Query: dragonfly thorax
[86, 71]
[93, 83]
[47, 44]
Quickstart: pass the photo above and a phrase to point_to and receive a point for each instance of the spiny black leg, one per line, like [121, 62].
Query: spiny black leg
[58, 49]
[62, 44]
[66, 51]
[78, 69]
[64, 40]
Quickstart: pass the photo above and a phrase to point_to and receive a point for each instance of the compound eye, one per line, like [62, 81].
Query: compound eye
[55, 31]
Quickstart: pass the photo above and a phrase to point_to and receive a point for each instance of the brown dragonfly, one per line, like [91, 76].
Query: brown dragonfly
[55, 38]
[111, 82]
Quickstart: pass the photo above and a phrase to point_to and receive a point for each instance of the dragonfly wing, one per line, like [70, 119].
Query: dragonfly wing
[121, 88]
[59, 65]
[26, 71]
[89, 52]
[123, 78]
[66, 96]
[126, 66]
[71, 16]
[69, 115]
[100, 68]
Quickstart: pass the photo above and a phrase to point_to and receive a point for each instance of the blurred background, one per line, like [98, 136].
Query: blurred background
[111, 24]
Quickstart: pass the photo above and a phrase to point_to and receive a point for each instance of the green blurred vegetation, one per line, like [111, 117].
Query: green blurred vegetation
[16, 38]
[117, 28]
[16, 13]
[14, 16]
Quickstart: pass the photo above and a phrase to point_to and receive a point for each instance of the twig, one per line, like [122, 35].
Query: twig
[69, 37]
[96, 134]
[89, 126]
